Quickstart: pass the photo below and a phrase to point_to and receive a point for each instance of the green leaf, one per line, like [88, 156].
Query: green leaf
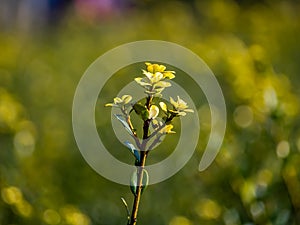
[134, 178]
[124, 123]
[133, 150]
[126, 207]
[126, 99]
[141, 110]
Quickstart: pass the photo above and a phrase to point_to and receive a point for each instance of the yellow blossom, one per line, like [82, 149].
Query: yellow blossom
[124, 100]
[154, 80]
[153, 112]
[180, 107]
[167, 129]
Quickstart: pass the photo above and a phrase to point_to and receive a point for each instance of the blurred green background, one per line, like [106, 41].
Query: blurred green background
[251, 46]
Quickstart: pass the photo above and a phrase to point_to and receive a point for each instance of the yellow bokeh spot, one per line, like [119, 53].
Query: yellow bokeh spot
[208, 209]
[247, 191]
[11, 195]
[265, 177]
[24, 143]
[51, 217]
[222, 13]
[24, 208]
[283, 149]
[257, 52]
[10, 110]
[225, 157]
[270, 98]
[73, 216]
[290, 172]
[180, 220]
[243, 116]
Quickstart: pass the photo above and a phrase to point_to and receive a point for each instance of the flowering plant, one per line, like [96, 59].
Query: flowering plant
[155, 80]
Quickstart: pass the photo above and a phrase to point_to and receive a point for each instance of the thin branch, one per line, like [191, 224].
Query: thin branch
[156, 141]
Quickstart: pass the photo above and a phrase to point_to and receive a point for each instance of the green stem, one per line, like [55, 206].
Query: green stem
[140, 168]
[137, 196]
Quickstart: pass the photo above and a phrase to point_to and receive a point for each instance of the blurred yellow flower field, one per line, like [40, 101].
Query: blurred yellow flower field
[253, 49]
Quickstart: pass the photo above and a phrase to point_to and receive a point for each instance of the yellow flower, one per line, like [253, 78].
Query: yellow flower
[118, 102]
[180, 107]
[169, 74]
[167, 129]
[163, 106]
[153, 112]
[153, 77]
[154, 81]
[153, 68]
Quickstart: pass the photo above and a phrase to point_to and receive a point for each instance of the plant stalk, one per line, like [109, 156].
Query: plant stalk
[137, 196]
[140, 168]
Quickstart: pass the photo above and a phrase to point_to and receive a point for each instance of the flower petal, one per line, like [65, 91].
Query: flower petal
[169, 74]
[126, 99]
[181, 113]
[141, 81]
[175, 104]
[160, 68]
[155, 68]
[149, 75]
[156, 77]
[117, 100]
[150, 92]
[163, 106]
[153, 112]
[188, 110]
[162, 84]
[181, 102]
[149, 67]
[167, 129]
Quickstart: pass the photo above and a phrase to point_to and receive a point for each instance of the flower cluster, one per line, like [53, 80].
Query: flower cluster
[120, 102]
[180, 107]
[123, 103]
[154, 82]
[162, 128]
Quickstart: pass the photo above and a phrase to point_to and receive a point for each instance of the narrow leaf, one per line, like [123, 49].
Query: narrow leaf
[133, 150]
[134, 180]
[126, 207]
[124, 123]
